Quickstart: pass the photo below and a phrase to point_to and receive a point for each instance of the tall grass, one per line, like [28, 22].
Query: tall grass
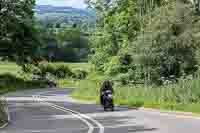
[7, 67]
[183, 96]
[87, 89]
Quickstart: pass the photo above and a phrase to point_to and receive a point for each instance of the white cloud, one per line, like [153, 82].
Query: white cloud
[71, 3]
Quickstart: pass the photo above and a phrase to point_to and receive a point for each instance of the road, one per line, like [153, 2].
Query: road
[51, 111]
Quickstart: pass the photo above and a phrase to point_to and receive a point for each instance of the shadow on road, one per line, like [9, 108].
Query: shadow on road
[134, 129]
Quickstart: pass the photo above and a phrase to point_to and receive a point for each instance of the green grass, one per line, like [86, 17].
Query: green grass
[75, 66]
[184, 96]
[13, 68]
[67, 83]
[6, 67]
[87, 90]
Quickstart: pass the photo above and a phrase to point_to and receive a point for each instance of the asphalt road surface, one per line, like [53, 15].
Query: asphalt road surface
[51, 111]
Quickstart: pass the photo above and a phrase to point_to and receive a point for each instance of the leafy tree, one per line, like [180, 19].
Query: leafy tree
[117, 26]
[18, 33]
[160, 35]
[63, 44]
[167, 47]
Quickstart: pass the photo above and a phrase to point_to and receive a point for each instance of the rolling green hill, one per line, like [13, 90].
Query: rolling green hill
[58, 15]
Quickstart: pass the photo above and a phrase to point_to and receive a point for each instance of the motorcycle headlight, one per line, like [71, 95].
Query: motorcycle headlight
[110, 95]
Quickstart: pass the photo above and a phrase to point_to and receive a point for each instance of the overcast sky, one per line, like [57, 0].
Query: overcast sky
[71, 3]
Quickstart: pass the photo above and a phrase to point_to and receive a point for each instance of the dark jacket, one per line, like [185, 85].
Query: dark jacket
[107, 85]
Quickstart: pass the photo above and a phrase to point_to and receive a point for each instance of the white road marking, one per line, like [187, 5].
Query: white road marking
[4, 125]
[91, 127]
[44, 130]
[18, 99]
[64, 98]
[101, 127]
[55, 100]
[125, 113]
[81, 116]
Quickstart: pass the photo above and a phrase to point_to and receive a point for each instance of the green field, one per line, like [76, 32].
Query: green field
[6, 67]
[11, 72]
[80, 66]
[13, 68]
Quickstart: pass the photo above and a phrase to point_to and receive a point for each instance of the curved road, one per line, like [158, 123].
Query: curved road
[51, 111]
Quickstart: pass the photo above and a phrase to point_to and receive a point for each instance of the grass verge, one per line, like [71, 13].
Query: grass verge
[184, 96]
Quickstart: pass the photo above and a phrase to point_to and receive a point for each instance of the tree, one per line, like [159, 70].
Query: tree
[159, 35]
[167, 47]
[18, 33]
[118, 24]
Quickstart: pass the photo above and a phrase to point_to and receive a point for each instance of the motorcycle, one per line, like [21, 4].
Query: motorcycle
[108, 100]
[51, 84]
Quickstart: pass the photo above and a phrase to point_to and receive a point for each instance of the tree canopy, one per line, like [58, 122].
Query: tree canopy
[157, 37]
[18, 34]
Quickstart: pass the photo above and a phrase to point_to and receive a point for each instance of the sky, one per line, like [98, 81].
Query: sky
[70, 3]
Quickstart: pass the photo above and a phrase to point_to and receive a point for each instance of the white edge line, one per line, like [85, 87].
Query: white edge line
[101, 127]
[4, 125]
[91, 127]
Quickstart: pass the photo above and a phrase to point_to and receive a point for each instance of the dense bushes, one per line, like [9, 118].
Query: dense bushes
[58, 71]
[80, 74]
[10, 82]
[46, 68]
[113, 67]
[164, 50]
[167, 48]
[159, 43]
[63, 71]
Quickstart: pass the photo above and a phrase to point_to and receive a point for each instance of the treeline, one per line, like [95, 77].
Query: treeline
[63, 44]
[146, 41]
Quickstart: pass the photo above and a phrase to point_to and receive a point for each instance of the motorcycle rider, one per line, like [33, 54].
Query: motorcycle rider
[107, 85]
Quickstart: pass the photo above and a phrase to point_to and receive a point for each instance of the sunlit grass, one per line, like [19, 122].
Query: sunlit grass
[7, 67]
[184, 96]
[75, 66]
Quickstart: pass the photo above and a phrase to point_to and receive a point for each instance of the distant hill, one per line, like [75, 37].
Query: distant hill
[42, 9]
[69, 15]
